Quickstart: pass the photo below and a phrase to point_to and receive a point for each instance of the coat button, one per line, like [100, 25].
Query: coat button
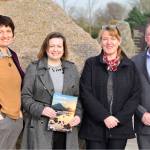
[42, 122]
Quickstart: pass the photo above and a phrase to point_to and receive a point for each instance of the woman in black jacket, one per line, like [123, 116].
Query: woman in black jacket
[109, 91]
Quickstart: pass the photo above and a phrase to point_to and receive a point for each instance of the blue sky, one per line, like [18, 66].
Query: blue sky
[100, 3]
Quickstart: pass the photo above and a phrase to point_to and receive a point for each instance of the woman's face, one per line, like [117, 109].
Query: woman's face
[6, 36]
[55, 50]
[109, 43]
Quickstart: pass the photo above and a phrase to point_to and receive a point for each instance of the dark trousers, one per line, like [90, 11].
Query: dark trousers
[109, 144]
[59, 140]
[143, 141]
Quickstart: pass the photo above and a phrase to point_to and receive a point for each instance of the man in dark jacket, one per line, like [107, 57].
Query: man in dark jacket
[11, 75]
[142, 116]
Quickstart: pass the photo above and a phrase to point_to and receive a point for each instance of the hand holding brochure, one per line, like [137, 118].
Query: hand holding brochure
[65, 106]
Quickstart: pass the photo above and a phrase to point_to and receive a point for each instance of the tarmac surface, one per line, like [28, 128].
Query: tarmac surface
[132, 144]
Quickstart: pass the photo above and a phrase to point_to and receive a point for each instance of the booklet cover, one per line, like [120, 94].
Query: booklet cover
[65, 106]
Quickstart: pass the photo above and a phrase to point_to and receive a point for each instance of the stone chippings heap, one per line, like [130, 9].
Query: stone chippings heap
[127, 41]
[34, 19]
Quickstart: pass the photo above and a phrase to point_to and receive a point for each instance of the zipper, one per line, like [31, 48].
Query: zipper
[110, 95]
[111, 103]
[111, 106]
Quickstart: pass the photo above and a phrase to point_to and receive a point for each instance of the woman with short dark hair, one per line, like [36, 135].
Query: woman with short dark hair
[11, 76]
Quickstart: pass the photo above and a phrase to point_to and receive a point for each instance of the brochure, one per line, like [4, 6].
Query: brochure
[65, 106]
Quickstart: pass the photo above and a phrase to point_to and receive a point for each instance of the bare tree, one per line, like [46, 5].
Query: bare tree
[113, 11]
[91, 5]
[63, 4]
[145, 6]
[80, 16]
[86, 13]
[116, 11]
[134, 3]
[90, 16]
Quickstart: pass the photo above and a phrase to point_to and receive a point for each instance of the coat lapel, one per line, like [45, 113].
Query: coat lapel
[144, 66]
[47, 82]
[16, 61]
[66, 76]
[44, 76]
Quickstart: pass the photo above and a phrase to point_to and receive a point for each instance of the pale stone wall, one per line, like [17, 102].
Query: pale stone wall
[127, 41]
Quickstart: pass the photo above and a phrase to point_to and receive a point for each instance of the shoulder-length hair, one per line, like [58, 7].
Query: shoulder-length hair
[42, 53]
[112, 29]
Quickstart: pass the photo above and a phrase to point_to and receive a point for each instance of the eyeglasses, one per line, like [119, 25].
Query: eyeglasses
[110, 26]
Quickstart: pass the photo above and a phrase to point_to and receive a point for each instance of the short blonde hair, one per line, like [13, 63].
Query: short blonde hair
[112, 29]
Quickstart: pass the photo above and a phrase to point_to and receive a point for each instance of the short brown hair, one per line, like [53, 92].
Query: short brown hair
[42, 53]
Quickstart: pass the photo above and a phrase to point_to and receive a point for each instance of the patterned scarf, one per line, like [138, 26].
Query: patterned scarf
[112, 65]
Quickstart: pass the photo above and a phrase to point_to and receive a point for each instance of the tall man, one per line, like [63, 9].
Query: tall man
[11, 76]
[142, 116]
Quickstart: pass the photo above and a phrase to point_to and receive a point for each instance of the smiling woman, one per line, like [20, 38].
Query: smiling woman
[109, 92]
[10, 101]
[6, 35]
[51, 73]
[110, 40]
[55, 51]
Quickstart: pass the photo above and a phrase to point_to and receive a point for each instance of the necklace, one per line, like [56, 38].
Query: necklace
[55, 68]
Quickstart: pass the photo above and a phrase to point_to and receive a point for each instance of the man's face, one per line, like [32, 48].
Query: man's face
[147, 36]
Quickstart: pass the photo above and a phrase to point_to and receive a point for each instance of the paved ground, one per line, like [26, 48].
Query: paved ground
[132, 145]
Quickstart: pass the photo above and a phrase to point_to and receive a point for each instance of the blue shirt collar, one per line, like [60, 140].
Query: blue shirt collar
[148, 52]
